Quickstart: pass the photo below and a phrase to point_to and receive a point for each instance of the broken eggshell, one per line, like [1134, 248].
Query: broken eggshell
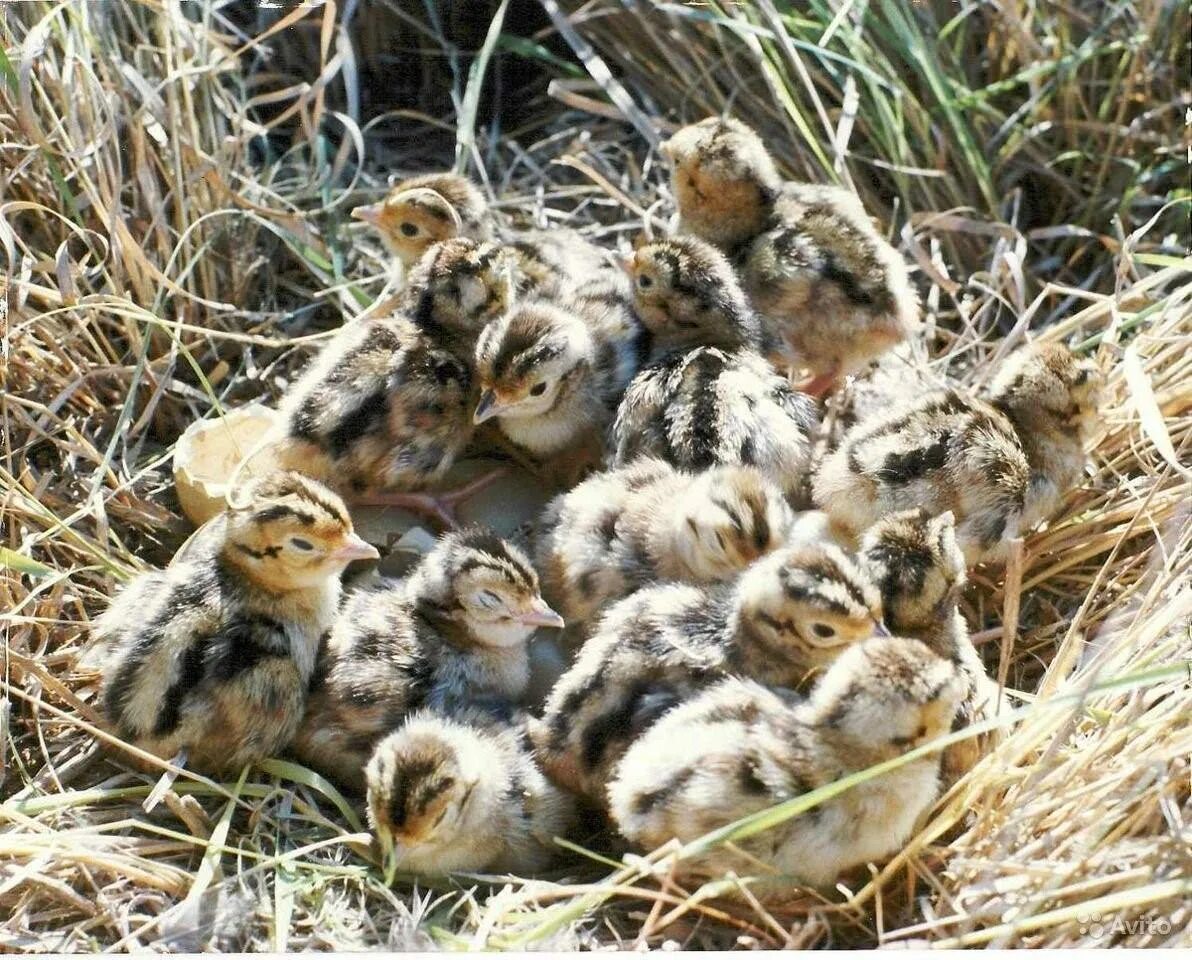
[207, 454]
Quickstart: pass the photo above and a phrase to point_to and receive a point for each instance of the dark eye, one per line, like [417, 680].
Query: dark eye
[538, 389]
[1081, 378]
[900, 741]
[823, 630]
[408, 229]
[644, 282]
[299, 544]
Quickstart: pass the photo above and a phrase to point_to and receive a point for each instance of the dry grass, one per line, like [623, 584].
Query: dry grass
[173, 218]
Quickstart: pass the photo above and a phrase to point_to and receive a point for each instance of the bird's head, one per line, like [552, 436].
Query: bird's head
[462, 284]
[1049, 379]
[288, 532]
[418, 213]
[485, 583]
[886, 696]
[525, 360]
[723, 179]
[809, 601]
[424, 788]
[918, 566]
[687, 294]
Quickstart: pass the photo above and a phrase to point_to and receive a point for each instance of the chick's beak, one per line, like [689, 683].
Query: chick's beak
[487, 408]
[881, 630]
[355, 547]
[369, 214]
[540, 615]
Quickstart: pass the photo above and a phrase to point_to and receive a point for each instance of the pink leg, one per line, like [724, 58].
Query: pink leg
[819, 385]
[441, 506]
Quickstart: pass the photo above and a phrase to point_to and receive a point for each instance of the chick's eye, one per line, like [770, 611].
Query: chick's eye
[408, 229]
[823, 630]
[299, 544]
[488, 600]
[538, 389]
[644, 282]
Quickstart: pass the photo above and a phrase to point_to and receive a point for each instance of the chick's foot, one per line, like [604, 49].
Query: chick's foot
[441, 506]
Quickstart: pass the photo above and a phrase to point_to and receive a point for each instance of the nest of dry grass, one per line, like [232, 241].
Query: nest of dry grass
[173, 219]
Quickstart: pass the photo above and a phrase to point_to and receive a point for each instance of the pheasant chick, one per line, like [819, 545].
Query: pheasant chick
[737, 748]
[462, 793]
[918, 566]
[552, 381]
[212, 655]
[828, 284]
[825, 281]
[380, 414]
[1000, 465]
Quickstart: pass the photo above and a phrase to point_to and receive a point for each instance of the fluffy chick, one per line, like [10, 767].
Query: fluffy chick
[709, 407]
[824, 280]
[737, 748]
[1001, 465]
[213, 654]
[687, 295]
[724, 181]
[423, 210]
[918, 566]
[453, 634]
[622, 529]
[827, 283]
[789, 614]
[552, 378]
[1053, 399]
[463, 793]
[380, 414]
